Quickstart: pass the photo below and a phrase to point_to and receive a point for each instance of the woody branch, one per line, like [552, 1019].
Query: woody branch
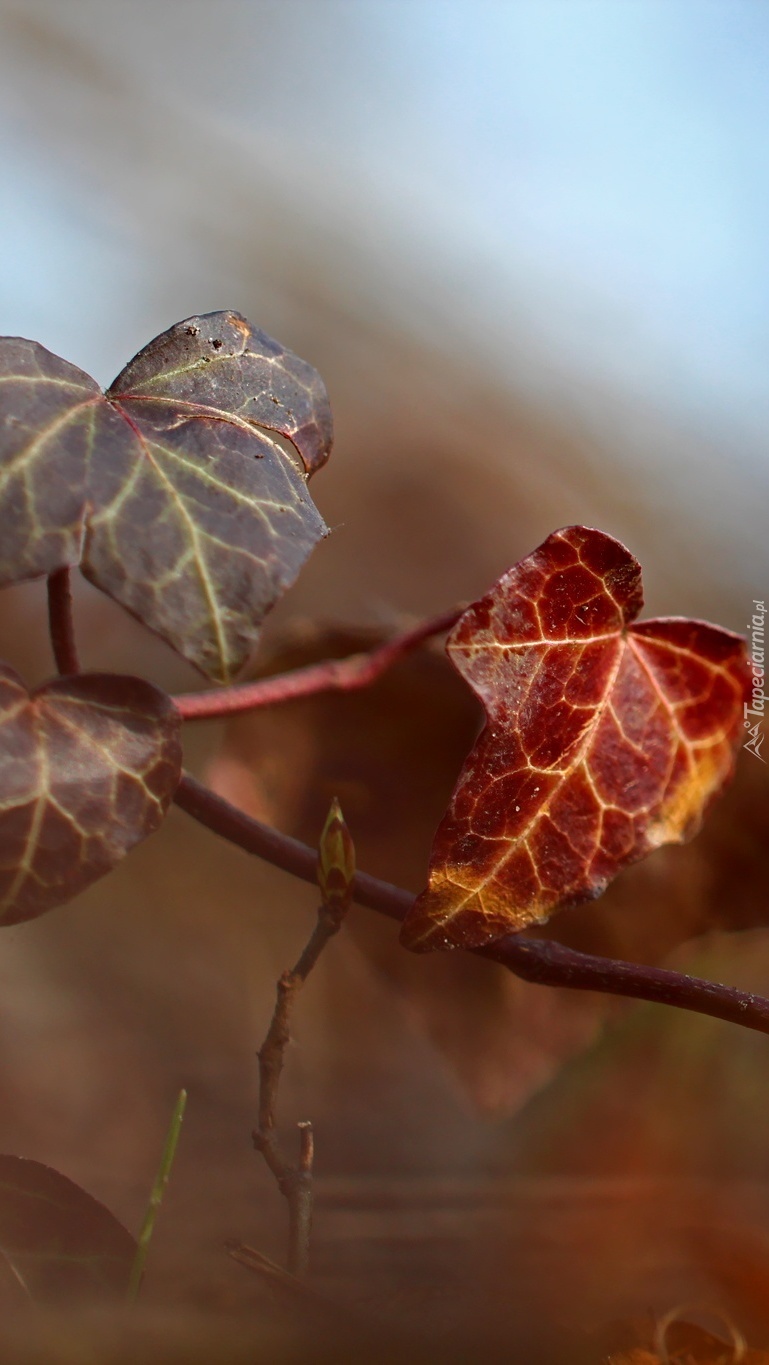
[536, 960]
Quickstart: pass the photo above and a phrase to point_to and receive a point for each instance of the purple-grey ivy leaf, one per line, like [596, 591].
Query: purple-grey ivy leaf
[88, 767]
[46, 422]
[170, 490]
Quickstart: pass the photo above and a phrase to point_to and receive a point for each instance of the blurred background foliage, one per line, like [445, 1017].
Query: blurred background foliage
[524, 243]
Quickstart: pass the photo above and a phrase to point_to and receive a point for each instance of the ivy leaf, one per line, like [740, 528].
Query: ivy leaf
[46, 429]
[219, 365]
[168, 490]
[604, 739]
[60, 1241]
[88, 767]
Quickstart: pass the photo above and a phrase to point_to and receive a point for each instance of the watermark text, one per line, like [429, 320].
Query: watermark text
[755, 708]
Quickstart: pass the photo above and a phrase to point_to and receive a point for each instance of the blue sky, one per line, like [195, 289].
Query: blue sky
[599, 169]
[592, 175]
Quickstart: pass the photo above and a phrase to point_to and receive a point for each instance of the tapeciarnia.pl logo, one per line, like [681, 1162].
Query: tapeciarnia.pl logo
[756, 706]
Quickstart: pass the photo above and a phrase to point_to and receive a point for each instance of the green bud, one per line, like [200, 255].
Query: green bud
[336, 862]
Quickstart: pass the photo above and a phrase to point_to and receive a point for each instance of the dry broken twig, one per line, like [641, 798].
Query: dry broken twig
[335, 871]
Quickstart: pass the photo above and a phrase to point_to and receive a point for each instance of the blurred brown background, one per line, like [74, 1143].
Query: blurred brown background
[491, 380]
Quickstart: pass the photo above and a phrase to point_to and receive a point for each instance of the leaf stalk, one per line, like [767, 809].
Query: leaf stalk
[61, 625]
[333, 675]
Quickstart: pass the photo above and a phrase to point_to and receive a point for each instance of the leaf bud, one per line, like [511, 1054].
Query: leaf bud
[336, 862]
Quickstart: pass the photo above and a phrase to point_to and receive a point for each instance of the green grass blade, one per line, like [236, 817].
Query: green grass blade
[156, 1198]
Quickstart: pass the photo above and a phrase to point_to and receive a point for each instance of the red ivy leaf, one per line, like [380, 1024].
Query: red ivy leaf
[88, 767]
[168, 489]
[61, 1242]
[604, 739]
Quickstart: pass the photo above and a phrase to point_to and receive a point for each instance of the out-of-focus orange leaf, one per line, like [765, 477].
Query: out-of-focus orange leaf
[60, 1241]
[686, 1343]
[604, 739]
[736, 1259]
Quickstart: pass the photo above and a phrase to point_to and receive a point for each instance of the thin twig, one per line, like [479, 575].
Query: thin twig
[294, 1180]
[334, 675]
[61, 625]
[537, 960]
[156, 1199]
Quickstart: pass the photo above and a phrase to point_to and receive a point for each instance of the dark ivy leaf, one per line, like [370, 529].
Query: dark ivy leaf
[61, 1242]
[46, 431]
[88, 767]
[168, 490]
[222, 365]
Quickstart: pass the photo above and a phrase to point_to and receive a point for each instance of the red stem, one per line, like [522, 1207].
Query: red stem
[334, 675]
[536, 960]
[61, 626]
